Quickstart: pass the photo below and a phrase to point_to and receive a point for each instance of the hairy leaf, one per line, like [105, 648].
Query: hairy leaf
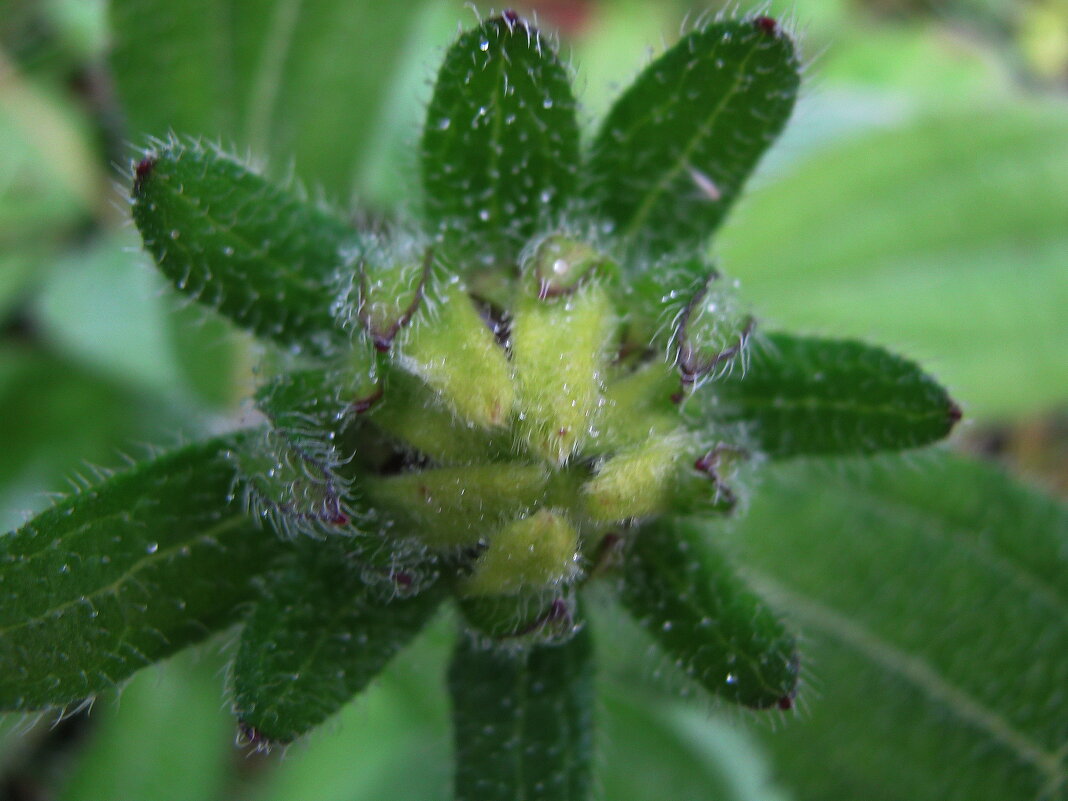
[240, 71]
[933, 597]
[318, 635]
[237, 243]
[500, 145]
[117, 577]
[675, 149]
[523, 721]
[686, 594]
[809, 396]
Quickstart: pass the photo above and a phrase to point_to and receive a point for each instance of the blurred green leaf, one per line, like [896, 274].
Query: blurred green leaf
[48, 176]
[58, 417]
[103, 307]
[945, 238]
[653, 747]
[167, 737]
[933, 599]
[298, 83]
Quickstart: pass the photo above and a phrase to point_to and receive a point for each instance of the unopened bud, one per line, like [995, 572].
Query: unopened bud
[531, 553]
[454, 351]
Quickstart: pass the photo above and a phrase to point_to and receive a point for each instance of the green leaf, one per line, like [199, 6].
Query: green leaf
[809, 396]
[523, 721]
[368, 752]
[500, 146]
[57, 417]
[318, 635]
[953, 253]
[675, 149]
[658, 747]
[122, 575]
[298, 83]
[933, 598]
[239, 244]
[686, 594]
[168, 739]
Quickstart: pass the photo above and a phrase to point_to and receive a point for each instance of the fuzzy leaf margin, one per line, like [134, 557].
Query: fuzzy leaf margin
[240, 244]
[124, 574]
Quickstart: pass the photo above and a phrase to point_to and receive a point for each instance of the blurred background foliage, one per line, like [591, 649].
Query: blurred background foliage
[917, 200]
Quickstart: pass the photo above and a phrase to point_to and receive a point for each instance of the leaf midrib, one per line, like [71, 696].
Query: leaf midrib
[815, 403]
[917, 672]
[668, 176]
[129, 575]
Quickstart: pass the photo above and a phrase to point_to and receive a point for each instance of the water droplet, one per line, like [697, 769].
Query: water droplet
[483, 45]
[152, 547]
[484, 215]
[547, 103]
[667, 625]
[444, 123]
[175, 233]
[731, 679]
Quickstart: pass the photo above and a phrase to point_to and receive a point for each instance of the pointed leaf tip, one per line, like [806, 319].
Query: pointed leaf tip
[805, 396]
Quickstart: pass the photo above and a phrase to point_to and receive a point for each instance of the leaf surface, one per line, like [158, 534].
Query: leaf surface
[676, 148]
[682, 590]
[500, 146]
[933, 599]
[952, 253]
[318, 635]
[239, 244]
[523, 721]
[122, 575]
[294, 80]
[809, 396]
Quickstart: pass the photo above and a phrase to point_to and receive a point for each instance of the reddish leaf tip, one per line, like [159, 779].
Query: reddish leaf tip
[767, 25]
[143, 170]
[955, 412]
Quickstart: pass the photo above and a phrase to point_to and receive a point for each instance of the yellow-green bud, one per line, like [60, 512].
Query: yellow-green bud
[453, 350]
[530, 553]
[455, 506]
[638, 482]
[560, 351]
